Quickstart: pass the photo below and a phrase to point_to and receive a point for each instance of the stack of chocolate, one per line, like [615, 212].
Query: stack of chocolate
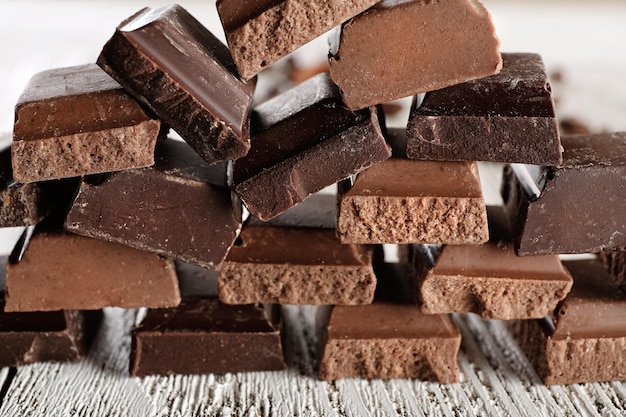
[126, 216]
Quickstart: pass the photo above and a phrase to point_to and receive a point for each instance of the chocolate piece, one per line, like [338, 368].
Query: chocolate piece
[259, 33]
[405, 201]
[581, 208]
[508, 117]
[374, 61]
[173, 208]
[296, 258]
[302, 141]
[77, 121]
[488, 280]
[586, 338]
[616, 265]
[388, 340]
[203, 336]
[60, 270]
[55, 336]
[167, 60]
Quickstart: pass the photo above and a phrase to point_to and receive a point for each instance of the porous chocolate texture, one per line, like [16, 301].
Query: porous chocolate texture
[383, 54]
[259, 33]
[171, 63]
[581, 208]
[508, 117]
[56, 270]
[302, 141]
[296, 258]
[77, 121]
[584, 340]
[180, 208]
[405, 201]
[388, 339]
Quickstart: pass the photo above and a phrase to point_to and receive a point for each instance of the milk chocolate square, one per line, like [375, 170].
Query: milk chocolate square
[303, 141]
[508, 117]
[400, 48]
[77, 121]
[261, 32]
[585, 339]
[171, 63]
[180, 208]
[296, 258]
[388, 339]
[405, 201]
[581, 207]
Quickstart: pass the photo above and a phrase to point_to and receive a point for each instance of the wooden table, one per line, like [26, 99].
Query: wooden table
[583, 41]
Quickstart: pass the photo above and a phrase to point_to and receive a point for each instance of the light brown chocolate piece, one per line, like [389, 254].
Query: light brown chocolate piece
[63, 271]
[404, 47]
[260, 32]
[77, 121]
[586, 338]
[296, 258]
[405, 201]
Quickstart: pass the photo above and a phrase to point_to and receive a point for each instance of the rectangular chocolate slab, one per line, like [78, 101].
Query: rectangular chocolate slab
[296, 258]
[585, 339]
[400, 48]
[405, 201]
[260, 32]
[180, 208]
[581, 208]
[77, 121]
[388, 339]
[303, 141]
[172, 64]
[508, 117]
[57, 270]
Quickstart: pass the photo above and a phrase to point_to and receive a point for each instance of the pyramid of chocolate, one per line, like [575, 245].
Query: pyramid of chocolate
[508, 117]
[56, 270]
[388, 339]
[259, 33]
[296, 258]
[180, 208]
[581, 206]
[202, 335]
[406, 201]
[584, 340]
[77, 121]
[400, 48]
[488, 280]
[172, 64]
[303, 141]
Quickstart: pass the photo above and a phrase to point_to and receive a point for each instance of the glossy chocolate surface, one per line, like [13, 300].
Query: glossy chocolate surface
[234, 13]
[179, 208]
[165, 58]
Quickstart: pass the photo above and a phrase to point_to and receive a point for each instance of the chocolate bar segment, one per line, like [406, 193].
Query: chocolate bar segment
[63, 271]
[388, 340]
[296, 258]
[302, 141]
[383, 54]
[77, 121]
[405, 201]
[168, 61]
[586, 338]
[581, 209]
[180, 207]
[261, 32]
[508, 117]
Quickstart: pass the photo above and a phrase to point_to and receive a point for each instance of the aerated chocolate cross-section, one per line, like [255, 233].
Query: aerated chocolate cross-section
[77, 121]
[302, 141]
[181, 207]
[260, 32]
[296, 258]
[508, 117]
[167, 60]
